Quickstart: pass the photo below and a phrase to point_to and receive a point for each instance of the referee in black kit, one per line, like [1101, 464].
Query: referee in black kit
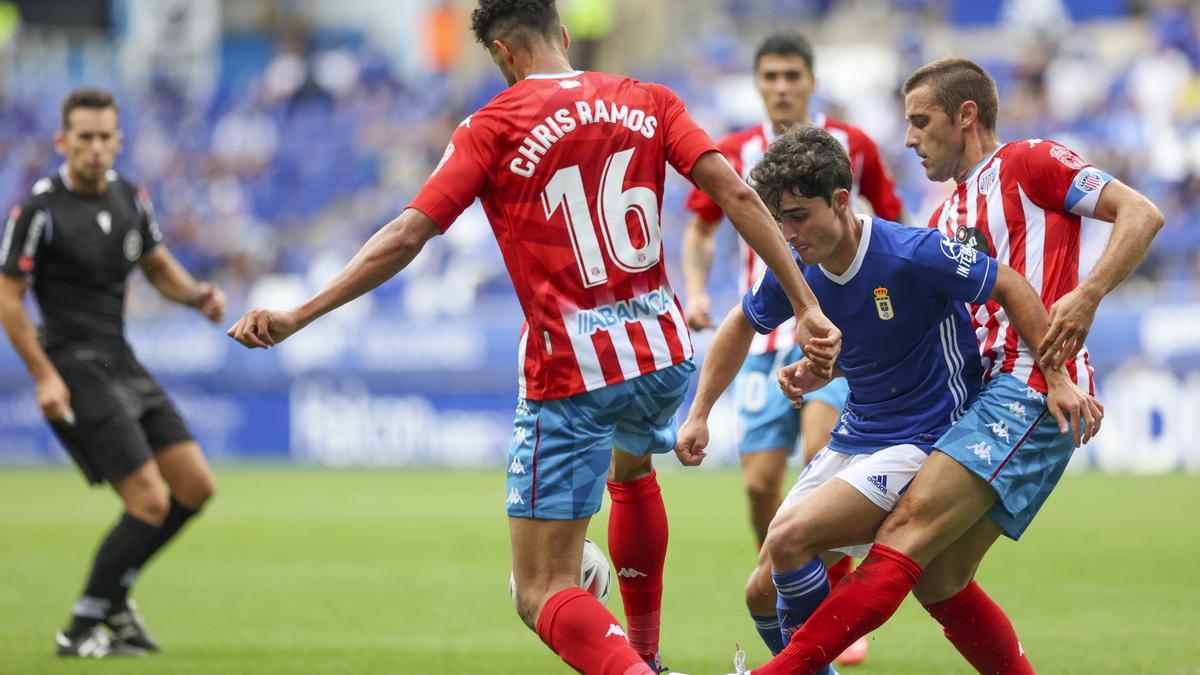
[74, 239]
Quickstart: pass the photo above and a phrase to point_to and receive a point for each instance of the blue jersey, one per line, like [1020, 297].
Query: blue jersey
[908, 350]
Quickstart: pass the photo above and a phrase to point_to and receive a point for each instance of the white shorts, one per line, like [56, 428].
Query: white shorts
[881, 477]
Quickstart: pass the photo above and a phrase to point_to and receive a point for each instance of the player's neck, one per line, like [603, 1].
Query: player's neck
[544, 62]
[83, 186]
[978, 148]
[781, 127]
[844, 253]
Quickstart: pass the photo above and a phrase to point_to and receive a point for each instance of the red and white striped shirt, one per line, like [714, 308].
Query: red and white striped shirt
[570, 171]
[745, 148]
[1023, 205]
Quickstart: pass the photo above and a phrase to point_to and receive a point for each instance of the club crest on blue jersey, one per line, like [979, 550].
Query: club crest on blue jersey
[883, 304]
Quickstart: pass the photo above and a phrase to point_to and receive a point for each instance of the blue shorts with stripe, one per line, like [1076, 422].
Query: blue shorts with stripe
[766, 419]
[561, 448]
[1009, 439]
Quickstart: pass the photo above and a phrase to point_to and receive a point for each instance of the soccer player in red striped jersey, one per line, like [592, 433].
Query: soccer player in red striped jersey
[1021, 202]
[569, 167]
[768, 427]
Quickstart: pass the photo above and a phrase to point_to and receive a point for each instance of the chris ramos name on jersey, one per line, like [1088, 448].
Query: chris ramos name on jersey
[565, 120]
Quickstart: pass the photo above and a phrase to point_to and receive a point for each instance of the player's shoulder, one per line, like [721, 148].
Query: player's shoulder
[42, 192]
[1040, 150]
[854, 134]
[892, 238]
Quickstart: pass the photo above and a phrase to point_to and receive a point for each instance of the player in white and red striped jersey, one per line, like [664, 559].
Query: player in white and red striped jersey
[570, 167]
[768, 427]
[993, 470]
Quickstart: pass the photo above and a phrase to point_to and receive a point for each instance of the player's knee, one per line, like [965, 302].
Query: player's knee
[761, 489]
[149, 505]
[790, 542]
[629, 468]
[198, 491]
[911, 514]
[760, 591]
[937, 585]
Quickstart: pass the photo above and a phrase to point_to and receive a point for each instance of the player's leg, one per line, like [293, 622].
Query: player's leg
[558, 460]
[1006, 446]
[821, 411]
[976, 626]
[767, 430]
[843, 511]
[637, 521]
[761, 598]
[146, 506]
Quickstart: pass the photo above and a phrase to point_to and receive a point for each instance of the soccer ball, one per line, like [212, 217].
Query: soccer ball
[595, 576]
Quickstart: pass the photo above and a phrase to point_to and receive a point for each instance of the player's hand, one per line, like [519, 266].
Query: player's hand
[209, 301]
[264, 328]
[697, 310]
[799, 378]
[1070, 320]
[54, 399]
[1069, 404]
[693, 438]
[821, 340]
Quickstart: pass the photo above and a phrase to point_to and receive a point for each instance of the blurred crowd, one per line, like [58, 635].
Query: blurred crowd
[270, 184]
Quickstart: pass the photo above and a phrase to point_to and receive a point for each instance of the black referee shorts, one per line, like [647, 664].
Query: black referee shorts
[122, 415]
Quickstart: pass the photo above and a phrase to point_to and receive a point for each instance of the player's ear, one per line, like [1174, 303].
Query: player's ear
[566, 38]
[60, 142]
[968, 112]
[841, 198]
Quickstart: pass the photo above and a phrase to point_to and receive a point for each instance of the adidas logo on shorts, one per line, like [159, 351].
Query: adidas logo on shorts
[879, 481]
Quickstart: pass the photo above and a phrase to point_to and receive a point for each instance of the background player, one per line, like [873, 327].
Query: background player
[74, 239]
[768, 427]
[1022, 200]
[570, 168]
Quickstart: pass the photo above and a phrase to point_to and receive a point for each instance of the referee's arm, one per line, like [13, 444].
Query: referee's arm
[52, 395]
[174, 282]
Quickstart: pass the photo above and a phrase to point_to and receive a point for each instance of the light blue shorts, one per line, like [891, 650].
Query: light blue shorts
[561, 448]
[766, 418]
[1009, 439]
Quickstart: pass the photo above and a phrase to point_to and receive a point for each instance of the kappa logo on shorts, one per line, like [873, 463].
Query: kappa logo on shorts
[999, 429]
[516, 467]
[982, 450]
[879, 482]
[523, 407]
[1016, 408]
[514, 497]
[1034, 395]
[520, 435]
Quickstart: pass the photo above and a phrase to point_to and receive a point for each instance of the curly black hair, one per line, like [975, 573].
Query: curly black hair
[514, 19]
[806, 162]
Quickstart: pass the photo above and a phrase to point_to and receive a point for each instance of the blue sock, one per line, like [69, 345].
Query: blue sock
[768, 630]
[800, 591]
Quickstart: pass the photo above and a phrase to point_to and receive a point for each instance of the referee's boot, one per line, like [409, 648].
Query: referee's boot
[95, 643]
[129, 628]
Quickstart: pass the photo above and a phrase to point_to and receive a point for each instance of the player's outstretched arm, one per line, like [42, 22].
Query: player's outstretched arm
[1065, 400]
[1135, 223]
[697, 263]
[174, 282]
[52, 395]
[721, 364]
[754, 223]
[387, 252]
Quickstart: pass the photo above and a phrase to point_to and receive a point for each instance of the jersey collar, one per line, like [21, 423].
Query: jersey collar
[554, 76]
[981, 164]
[863, 243]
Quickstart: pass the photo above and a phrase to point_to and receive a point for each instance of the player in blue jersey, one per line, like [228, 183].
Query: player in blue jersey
[909, 354]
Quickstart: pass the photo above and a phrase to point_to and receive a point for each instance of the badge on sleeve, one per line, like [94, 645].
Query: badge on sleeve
[883, 304]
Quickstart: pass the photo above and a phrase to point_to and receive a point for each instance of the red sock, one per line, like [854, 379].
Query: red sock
[981, 632]
[587, 636]
[839, 570]
[864, 600]
[637, 542]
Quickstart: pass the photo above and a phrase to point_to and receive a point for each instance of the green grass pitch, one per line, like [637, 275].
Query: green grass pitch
[300, 571]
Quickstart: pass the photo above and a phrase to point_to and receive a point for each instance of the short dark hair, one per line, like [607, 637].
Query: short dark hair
[513, 19]
[956, 81]
[785, 44]
[804, 161]
[96, 99]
